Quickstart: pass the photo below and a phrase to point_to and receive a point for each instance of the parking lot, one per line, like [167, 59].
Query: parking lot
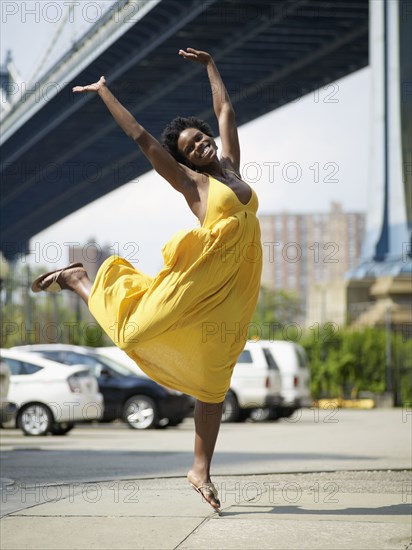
[108, 486]
[311, 440]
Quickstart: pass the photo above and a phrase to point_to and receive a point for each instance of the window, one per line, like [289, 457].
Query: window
[15, 367]
[73, 358]
[302, 358]
[20, 367]
[113, 366]
[245, 357]
[29, 368]
[53, 356]
[270, 360]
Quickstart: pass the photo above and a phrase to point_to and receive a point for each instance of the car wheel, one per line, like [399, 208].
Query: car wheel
[35, 419]
[275, 413]
[62, 428]
[231, 410]
[140, 412]
[260, 414]
[287, 413]
[175, 422]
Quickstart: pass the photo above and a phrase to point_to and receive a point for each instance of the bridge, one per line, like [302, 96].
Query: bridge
[60, 151]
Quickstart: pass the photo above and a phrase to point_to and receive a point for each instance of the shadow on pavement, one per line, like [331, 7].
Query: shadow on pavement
[393, 510]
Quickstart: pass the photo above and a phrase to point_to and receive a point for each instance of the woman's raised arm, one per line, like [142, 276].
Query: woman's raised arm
[222, 106]
[176, 174]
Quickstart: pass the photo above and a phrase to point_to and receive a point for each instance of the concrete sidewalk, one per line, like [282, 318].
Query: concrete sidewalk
[325, 510]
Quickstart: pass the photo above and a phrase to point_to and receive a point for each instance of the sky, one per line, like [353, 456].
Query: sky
[299, 158]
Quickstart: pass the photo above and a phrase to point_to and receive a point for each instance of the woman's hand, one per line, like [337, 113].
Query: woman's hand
[196, 55]
[96, 87]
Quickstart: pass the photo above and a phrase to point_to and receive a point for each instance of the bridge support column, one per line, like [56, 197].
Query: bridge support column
[389, 214]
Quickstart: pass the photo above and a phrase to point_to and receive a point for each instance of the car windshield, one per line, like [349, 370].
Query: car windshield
[108, 362]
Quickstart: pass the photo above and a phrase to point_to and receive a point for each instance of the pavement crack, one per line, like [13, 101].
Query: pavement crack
[193, 531]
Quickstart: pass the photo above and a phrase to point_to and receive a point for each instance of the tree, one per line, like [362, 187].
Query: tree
[275, 310]
[44, 318]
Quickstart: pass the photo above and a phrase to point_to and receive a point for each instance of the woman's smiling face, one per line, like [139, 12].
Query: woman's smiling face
[198, 148]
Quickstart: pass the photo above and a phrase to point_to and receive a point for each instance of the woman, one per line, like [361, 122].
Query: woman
[187, 326]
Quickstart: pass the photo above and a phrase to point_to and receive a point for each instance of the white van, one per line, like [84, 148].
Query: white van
[255, 385]
[293, 365]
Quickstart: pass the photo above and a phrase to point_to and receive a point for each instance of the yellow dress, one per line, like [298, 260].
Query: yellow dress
[186, 326]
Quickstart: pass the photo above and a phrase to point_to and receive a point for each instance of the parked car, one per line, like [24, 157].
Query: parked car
[293, 366]
[255, 387]
[140, 402]
[50, 397]
[8, 410]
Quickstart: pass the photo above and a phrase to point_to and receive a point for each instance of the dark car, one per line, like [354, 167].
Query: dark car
[140, 402]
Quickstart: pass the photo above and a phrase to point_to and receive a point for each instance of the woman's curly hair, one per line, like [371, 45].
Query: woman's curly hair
[173, 130]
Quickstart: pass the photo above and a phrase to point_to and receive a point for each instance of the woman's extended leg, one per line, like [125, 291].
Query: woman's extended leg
[207, 424]
[73, 277]
[81, 285]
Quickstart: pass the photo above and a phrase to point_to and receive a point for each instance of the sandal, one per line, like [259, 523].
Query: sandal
[49, 282]
[207, 488]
